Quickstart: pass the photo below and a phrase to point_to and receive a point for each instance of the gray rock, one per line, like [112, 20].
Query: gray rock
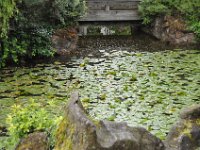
[171, 29]
[192, 112]
[185, 143]
[78, 132]
[65, 40]
[185, 134]
[34, 141]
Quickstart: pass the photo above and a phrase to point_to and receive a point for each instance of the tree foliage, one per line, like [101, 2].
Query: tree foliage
[26, 26]
[8, 9]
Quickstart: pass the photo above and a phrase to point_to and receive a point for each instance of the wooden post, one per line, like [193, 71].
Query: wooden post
[83, 30]
[107, 8]
[112, 10]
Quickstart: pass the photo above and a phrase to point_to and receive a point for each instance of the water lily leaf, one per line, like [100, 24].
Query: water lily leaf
[111, 118]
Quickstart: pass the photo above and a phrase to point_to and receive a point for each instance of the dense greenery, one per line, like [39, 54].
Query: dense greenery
[189, 9]
[24, 120]
[8, 9]
[26, 26]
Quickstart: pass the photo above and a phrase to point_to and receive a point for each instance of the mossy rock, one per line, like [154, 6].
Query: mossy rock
[78, 131]
[185, 134]
[34, 141]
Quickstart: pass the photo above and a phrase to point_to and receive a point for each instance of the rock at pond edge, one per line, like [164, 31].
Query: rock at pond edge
[192, 112]
[185, 134]
[34, 141]
[172, 29]
[65, 40]
[78, 132]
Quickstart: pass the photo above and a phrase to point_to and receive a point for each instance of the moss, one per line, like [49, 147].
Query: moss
[95, 122]
[187, 128]
[63, 137]
[186, 132]
[198, 122]
[24, 146]
[34, 141]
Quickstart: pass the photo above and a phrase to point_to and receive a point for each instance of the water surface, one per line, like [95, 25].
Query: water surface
[141, 88]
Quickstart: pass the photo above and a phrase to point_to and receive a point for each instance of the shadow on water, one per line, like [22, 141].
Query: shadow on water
[89, 45]
[92, 45]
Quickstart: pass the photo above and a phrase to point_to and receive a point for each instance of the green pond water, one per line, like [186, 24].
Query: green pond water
[142, 89]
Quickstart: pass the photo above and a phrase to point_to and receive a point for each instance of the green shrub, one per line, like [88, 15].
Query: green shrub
[8, 9]
[26, 26]
[28, 119]
[195, 26]
[150, 9]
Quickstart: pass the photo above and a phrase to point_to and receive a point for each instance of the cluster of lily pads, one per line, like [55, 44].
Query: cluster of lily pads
[143, 89]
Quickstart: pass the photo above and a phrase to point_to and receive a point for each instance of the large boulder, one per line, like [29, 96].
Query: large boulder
[171, 29]
[185, 134]
[65, 40]
[78, 132]
[34, 141]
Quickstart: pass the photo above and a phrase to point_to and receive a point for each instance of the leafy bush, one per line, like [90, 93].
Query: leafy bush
[27, 26]
[190, 10]
[24, 120]
[8, 9]
[49, 13]
[151, 8]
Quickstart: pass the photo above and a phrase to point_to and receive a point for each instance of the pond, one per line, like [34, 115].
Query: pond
[145, 89]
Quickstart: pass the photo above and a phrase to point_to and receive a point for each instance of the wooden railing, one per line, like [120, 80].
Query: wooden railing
[111, 10]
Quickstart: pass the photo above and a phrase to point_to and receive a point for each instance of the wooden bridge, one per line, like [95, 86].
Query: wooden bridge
[111, 10]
